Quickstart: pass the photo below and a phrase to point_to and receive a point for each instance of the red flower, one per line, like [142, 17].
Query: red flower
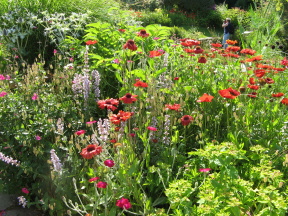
[284, 101]
[123, 203]
[25, 190]
[110, 104]
[255, 87]
[231, 42]
[269, 80]
[109, 163]
[248, 51]
[130, 44]
[252, 81]
[186, 120]
[176, 78]
[113, 140]
[189, 43]
[188, 50]
[173, 107]
[121, 30]
[101, 184]
[205, 98]
[284, 62]
[80, 132]
[143, 33]
[229, 93]
[216, 45]
[94, 179]
[252, 95]
[259, 72]
[120, 117]
[90, 151]
[204, 170]
[202, 59]
[264, 66]
[155, 53]
[232, 49]
[255, 58]
[198, 50]
[128, 98]
[141, 84]
[278, 94]
[152, 128]
[91, 42]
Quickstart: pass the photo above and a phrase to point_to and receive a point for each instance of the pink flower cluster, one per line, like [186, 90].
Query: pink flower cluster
[2, 77]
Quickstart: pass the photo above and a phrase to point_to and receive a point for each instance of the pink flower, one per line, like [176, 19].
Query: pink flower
[101, 184]
[37, 137]
[80, 132]
[8, 77]
[94, 179]
[25, 190]
[54, 51]
[116, 61]
[109, 163]
[91, 122]
[123, 203]
[2, 94]
[204, 170]
[2, 77]
[34, 97]
[152, 128]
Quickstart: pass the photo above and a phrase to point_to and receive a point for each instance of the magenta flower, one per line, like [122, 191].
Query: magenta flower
[151, 128]
[204, 170]
[101, 184]
[38, 137]
[54, 51]
[116, 61]
[91, 122]
[94, 179]
[123, 203]
[80, 132]
[109, 163]
[2, 77]
[2, 94]
[25, 190]
[34, 97]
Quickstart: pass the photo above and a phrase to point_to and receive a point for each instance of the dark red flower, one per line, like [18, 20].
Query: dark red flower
[229, 93]
[128, 98]
[110, 104]
[269, 80]
[91, 42]
[101, 184]
[198, 50]
[202, 59]
[130, 44]
[255, 87]
[121, 30]
[252, 95]
[120, 117]
[141, 84]
[186, 120]
[205, 98]
[90, 151]
[109, 163]
[278, 94]
[143, 33]
[123, 203]
[284, 62]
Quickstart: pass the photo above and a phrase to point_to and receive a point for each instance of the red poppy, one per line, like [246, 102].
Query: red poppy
[252, 95]
[269, 81]
[284, 101]
[173, 107]
[232, 49]
[248, 51]
[280, 94]
[141, 84]
[128, 98]
[186, 120]
[255, 87]
[231, 42]
[143, 33]
[80, 132]
[202, 59]
[216, 45]
[90, 151]
[110, 104]
[121, 30]
[155, 53]
[205, 98]
[229, 93]
[130, 44]
[91, 42]
[120, 117]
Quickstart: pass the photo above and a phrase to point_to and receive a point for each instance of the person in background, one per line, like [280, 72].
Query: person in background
[227, 29]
